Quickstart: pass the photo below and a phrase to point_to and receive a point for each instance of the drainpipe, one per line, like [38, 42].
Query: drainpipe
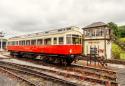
[1, 46]
[105, 42]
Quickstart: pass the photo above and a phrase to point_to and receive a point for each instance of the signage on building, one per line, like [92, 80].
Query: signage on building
[93, 42]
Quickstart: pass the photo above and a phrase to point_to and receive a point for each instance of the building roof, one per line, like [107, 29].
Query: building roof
[95, 24]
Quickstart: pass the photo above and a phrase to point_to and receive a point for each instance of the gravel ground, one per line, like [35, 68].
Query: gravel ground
[6, 81]
[120, 69]
[121, 76]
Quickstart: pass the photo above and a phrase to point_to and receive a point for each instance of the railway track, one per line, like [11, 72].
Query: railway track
[11, 68]
[78, 72]
[18, 76]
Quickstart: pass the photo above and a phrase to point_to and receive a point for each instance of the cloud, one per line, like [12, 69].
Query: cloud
[28, 16]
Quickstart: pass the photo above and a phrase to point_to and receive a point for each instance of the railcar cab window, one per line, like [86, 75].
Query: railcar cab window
[73, 39]
[76, 39]
[55, 40]
[39, 41]
[47, 41]
[33, 42]
[61, 40]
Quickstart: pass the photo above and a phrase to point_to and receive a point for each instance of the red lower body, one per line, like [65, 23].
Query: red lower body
[48, 49]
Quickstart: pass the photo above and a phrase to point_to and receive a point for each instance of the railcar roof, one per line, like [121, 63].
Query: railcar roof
[62, 30]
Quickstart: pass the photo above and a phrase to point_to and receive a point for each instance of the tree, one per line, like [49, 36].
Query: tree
[122, 31]
[115, 29]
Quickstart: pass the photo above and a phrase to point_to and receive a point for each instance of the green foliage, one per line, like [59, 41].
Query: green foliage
[122, 31]
[115, 29]
[116, 51]
[122, 56]
[122, 40]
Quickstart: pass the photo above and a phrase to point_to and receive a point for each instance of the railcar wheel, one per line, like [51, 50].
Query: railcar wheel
[11, 54]
[69, 61]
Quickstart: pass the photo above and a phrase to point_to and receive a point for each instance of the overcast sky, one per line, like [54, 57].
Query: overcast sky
[28, 16]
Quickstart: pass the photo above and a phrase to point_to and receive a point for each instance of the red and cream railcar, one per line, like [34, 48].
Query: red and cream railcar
[60, 45]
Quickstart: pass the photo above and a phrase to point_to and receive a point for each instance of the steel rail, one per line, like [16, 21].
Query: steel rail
[17, 76]
[38, 74]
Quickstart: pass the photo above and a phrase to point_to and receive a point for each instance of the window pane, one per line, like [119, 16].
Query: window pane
[76, 39]
[27, 42]
[60, 40]
[23, 42]
[16, 43]
[19, 42]
[55, 41]
[33, 42]
[40, 41]
[100, 32]
[68, 40]
[47, 41]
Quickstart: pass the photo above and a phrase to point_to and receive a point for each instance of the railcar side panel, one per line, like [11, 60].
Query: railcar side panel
[49, 49]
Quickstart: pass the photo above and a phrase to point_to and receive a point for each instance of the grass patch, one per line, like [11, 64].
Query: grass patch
[117, 51]
[122, 56]
[122, 40]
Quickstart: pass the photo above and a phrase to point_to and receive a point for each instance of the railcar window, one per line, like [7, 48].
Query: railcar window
[39, 41]
[8, 43]
[27, 42]
[76, 39]
[68, 28]
[23, 42]
[19, 42]
[61, 40]
[33, 42]
[16, 42]
[13, 43]
[68, 39]
[55, 41]
[47, 41]
[73, 39]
